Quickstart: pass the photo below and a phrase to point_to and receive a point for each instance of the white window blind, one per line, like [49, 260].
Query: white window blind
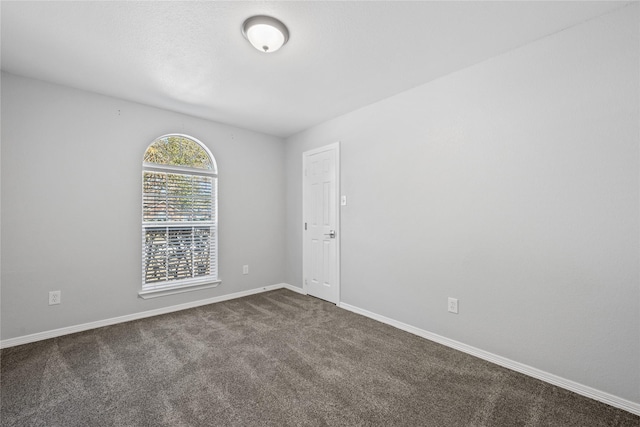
[177, 197]
[179, 224]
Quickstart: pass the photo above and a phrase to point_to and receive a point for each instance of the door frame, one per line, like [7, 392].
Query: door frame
[305, 155]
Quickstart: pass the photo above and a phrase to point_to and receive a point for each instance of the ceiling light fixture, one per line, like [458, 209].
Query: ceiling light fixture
[265, 33]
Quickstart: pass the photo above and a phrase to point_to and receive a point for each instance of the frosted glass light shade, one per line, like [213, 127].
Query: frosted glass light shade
[265, 33]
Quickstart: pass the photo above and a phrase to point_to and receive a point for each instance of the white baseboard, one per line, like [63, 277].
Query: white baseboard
[11, 342]
[578, 388]
[294, 289]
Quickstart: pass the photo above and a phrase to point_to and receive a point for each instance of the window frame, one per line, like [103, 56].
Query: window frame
[170, 287]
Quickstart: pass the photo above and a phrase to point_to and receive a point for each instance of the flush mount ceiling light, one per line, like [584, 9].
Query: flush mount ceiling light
[265, 33]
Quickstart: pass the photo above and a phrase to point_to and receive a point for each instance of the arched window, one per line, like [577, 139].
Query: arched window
[179, 216]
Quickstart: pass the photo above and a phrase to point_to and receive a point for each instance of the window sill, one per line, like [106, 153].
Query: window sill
[177, 289]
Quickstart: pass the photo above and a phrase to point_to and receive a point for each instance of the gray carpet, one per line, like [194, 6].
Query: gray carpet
[273, 359]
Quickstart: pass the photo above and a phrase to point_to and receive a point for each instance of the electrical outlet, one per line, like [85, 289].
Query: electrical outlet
[453, 305]
[245, 269]
[54, 297]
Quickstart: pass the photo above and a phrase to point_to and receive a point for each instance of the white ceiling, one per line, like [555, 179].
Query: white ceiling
[191, 57]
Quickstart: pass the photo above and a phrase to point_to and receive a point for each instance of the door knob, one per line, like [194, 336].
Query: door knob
[331, 234]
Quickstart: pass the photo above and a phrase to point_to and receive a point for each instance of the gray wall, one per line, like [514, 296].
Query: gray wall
[71, 205]
[511, 185]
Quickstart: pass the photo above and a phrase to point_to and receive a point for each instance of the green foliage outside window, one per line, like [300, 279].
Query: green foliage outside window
[177, 151]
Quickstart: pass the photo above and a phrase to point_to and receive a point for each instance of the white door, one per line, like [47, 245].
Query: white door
[321, 257]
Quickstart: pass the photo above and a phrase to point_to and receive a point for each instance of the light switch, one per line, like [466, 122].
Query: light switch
[343, 200]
